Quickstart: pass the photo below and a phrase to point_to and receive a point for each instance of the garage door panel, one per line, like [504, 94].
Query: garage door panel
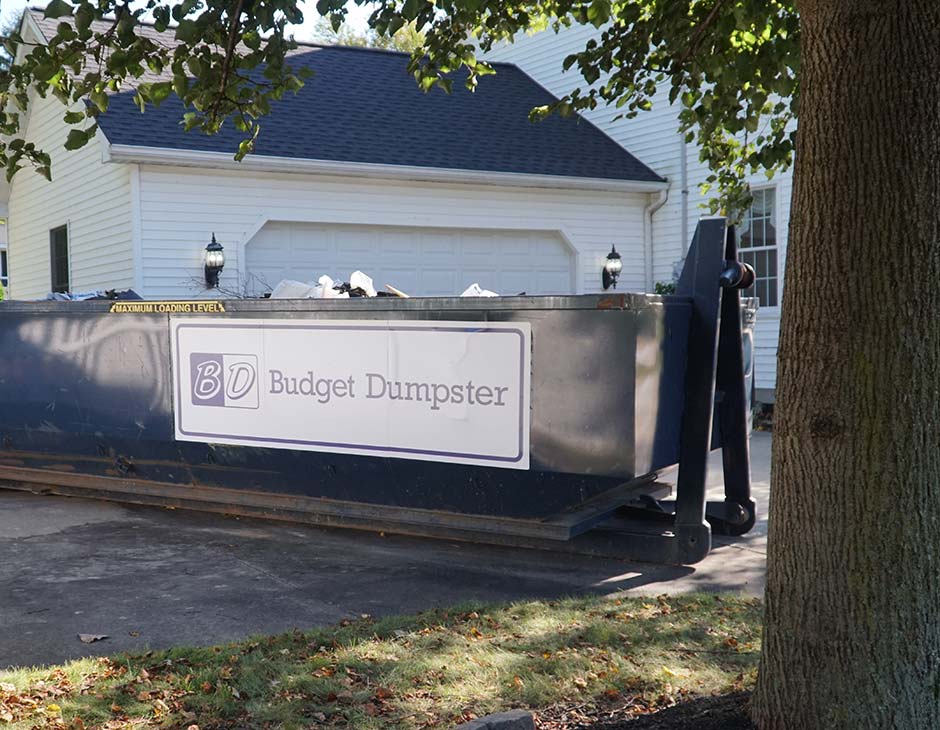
[401, 243]
[481, 246]
[440, 283]
[552, 281]
[518, 248]
[514, 282]
[404, 279]
[435, 245]
[420, 261]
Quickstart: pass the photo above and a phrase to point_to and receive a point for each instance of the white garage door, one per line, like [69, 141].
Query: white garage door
[419, 261]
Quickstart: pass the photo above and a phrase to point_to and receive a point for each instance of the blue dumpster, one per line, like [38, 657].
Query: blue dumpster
[537, 422]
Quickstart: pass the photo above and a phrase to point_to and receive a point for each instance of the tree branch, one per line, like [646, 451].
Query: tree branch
[227, 61]
[697, 37]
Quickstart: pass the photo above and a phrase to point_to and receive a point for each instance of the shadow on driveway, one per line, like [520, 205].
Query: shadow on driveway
[151, 578]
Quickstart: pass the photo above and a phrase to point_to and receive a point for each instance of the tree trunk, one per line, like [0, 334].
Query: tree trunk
[852, 631]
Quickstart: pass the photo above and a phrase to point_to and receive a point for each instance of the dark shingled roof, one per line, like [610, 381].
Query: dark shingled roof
[361, 105]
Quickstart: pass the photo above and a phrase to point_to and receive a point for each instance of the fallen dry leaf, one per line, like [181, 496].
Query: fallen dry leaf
[91, 638]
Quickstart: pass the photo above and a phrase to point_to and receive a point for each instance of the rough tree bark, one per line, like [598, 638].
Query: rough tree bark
[852, 634]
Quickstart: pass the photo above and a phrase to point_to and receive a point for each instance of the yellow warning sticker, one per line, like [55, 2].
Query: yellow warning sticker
[203, 307]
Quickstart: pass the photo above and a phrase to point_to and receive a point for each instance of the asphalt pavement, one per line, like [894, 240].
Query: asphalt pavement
[151, 578]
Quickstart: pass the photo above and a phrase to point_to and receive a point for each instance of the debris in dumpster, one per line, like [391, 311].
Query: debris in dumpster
[397, 292]
[358, 280]
[475, 290]
[97, 295]
[359, 285]
[328, 289]
[290, 289]
[60, 296]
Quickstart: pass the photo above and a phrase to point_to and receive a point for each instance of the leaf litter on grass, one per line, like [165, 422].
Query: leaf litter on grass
[572, 661]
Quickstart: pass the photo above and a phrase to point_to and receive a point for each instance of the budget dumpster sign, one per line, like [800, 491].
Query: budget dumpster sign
[446, 391]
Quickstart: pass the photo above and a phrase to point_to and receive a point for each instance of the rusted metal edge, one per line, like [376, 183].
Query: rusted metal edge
[640, 545]
[431, 306]
[322, 511]
[592, 512]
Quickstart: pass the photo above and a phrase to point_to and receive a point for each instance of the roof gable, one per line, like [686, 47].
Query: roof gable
[362, 106]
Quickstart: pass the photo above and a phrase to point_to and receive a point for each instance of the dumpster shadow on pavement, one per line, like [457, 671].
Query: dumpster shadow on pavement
[151, 578]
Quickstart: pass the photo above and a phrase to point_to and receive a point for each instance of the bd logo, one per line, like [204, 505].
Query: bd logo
[226, 380]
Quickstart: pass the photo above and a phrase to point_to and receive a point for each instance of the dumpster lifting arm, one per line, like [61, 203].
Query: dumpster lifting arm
[711, 277]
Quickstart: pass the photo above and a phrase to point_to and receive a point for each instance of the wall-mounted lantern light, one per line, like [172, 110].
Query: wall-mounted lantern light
[612, 268]
[215, 262]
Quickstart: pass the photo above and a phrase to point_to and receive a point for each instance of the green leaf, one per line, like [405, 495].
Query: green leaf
[187, 31]
[83, 17]
[99, 98]
[78, 138]
[409, 10]
[57, 9]
[160, 91]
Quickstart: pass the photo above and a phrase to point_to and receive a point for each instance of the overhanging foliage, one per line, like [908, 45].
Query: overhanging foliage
[732, 66]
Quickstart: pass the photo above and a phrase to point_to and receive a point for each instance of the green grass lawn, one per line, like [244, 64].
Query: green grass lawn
[585, 657]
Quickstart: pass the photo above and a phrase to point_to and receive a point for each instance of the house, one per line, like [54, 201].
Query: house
[653, 137]
[359, 170]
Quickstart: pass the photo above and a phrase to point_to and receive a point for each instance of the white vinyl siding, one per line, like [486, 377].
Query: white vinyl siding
[92, 198]
[653, 138]
[181, 207]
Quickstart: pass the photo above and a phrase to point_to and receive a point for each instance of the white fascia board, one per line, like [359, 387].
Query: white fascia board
[261, 163]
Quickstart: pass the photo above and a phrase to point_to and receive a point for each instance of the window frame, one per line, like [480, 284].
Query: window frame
[777, 248]
[55, 281]
[4, 255]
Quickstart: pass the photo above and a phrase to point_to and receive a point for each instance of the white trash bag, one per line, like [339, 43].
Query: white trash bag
[358, 280]
[475, 290]
[328, 292]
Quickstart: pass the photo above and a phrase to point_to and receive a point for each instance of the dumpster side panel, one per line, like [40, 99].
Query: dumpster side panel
[582, 395]
[661, 412]
[87, 393]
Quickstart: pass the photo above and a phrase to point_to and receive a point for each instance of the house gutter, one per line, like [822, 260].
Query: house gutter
[262, 163]
[684, 181]
[648, 212]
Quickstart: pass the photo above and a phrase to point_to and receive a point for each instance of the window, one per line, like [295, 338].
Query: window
[59, 258]
[758, 244]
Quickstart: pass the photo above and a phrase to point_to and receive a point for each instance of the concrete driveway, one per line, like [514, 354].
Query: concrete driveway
[151, 578]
